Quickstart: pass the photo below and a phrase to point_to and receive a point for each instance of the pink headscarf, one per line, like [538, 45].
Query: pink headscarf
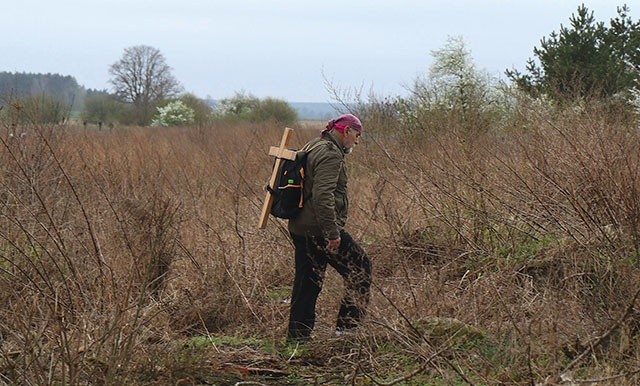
[340, 123]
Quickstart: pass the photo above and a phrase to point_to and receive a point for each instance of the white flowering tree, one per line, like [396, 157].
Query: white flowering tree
[175, 113]
[454, 92]
[635, 102]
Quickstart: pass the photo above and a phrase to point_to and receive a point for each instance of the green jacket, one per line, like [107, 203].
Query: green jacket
[325, 191]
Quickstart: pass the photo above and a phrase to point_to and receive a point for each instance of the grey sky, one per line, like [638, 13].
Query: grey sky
[280, 48]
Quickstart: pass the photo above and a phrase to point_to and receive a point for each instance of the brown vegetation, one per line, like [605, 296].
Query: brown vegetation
[504, 257]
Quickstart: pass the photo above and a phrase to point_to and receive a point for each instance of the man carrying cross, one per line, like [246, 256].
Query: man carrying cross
[319, 236]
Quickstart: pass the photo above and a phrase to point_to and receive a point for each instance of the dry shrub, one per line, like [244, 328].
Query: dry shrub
[116, 245]
[93, 224]
[530, 233]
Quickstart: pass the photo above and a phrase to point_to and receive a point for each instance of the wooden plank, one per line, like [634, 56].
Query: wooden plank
[280, 153]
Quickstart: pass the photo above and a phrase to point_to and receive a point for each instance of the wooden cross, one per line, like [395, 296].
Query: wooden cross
[280, 153]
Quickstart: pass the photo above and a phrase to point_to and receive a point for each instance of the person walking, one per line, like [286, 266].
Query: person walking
[319, 236]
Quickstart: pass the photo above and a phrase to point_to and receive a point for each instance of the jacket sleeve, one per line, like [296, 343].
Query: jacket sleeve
[325, 180]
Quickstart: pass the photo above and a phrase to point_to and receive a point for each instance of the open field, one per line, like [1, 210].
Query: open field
[507, 257]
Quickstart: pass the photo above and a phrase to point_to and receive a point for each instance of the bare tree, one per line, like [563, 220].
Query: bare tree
[143, 78]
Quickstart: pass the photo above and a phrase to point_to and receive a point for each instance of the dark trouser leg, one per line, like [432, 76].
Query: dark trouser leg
[310, 267]
[354, 266]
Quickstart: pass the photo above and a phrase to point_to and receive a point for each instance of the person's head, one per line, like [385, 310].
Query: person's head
[347, 128]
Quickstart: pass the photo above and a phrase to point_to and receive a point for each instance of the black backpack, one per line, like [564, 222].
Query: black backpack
[288, 189]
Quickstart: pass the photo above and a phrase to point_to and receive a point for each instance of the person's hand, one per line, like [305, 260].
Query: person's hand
[333, 245]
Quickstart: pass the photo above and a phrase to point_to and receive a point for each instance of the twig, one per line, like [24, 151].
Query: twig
[601, 338]
[403, 378]
[604, 379]
[445, 346]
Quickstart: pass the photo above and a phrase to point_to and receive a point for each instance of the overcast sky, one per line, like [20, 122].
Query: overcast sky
[285, 49]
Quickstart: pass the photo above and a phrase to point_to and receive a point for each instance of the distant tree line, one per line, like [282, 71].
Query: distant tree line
[585, 61]
[24, 85]
[29, 97]
[144, 91]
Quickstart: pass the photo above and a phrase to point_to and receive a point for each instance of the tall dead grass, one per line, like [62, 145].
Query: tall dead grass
[529, 232]
[113, 244]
